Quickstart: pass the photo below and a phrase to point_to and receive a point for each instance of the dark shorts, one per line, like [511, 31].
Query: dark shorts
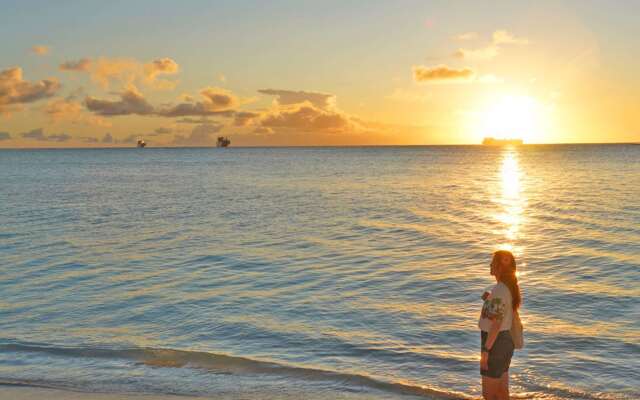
[500, 354]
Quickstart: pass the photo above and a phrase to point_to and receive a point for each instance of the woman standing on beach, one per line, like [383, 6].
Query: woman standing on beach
[495, 324]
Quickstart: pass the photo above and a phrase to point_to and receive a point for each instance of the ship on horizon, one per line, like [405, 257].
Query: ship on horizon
[141, 143]
[223, 141]
[490, 141]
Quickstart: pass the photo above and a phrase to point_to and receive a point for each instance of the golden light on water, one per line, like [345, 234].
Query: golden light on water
[511, 200]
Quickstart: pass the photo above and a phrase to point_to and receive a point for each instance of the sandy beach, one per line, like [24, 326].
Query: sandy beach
[20, 392]
[34, 393]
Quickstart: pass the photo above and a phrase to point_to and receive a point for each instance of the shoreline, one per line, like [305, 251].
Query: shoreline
[26, 392]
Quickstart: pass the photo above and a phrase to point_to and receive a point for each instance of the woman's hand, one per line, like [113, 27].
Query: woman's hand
[484, 361]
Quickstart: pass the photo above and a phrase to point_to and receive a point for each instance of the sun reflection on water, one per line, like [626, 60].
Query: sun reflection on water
[512, 201]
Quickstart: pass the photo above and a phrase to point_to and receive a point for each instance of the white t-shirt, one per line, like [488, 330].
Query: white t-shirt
[497, 305]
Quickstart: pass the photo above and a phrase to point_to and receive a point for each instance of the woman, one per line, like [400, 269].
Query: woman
[495, 325]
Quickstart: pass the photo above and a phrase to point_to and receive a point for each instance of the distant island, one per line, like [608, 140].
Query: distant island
[489, 141]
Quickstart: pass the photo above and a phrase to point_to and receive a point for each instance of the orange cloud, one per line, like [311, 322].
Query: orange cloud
[306, 118]
[131, 102]
[83, 65]
[484, 53]
[498, 39]
[38, 134]
[245, 118]
[107, 71]
[40, 50]
[14, 90]
[201, 135]
[216, 101]
[68, 110]
[287, 97]
[504, 37]
[442, 73]
[161, 66]
[301, 111]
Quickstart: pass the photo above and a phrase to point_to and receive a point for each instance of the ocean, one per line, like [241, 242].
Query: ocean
[317, 273]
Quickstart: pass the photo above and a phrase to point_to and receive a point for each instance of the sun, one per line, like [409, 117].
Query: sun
[513, 117]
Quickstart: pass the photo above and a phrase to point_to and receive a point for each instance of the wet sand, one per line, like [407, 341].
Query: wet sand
[34, 393]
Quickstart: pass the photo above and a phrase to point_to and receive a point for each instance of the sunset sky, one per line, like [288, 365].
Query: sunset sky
[89, 73]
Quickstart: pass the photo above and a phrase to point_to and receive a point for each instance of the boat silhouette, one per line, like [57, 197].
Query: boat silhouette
[223, 141]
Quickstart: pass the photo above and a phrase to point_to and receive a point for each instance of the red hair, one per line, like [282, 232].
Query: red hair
[507, 275]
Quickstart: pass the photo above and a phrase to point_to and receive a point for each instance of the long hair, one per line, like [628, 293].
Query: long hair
[507, 275]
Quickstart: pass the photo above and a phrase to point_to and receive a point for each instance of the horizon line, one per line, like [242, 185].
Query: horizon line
[315, 146]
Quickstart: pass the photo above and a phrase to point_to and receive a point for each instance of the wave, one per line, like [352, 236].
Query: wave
[222, 364]
[233, 365]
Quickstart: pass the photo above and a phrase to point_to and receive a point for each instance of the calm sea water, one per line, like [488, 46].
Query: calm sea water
[317, 272]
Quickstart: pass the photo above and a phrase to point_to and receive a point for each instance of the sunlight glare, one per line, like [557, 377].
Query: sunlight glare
[513, 117]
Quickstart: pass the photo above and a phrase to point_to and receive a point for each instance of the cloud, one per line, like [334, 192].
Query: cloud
[15, 90]
[90, 139]
[106, 70]
[299, 112]
[158, 132]
[131, 102]
[499, 38]
[5, 136]
[162, 131]
[504, 37]
[263, 130]
[188, 120]
[107, 138]
[466, 36]
[68, 110]
[201, 135]
[62, 137]
[38, 134]
[58, 109]
[129, 139]
[215, 101]
[442, 73]
[306, 118]
[125, 71]
[82, 65]
[161, 66]
[220, 99]
[287, 97]
[484, 53]
[245, 118]
[40, 50]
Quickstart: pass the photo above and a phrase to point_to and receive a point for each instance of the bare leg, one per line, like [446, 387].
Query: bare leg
[503, 390]
[491, 388]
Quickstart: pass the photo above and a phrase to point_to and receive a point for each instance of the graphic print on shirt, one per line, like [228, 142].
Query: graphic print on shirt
[493, 308]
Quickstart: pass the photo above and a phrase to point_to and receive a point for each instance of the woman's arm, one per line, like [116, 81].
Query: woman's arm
[491, 338]
[493, 333]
